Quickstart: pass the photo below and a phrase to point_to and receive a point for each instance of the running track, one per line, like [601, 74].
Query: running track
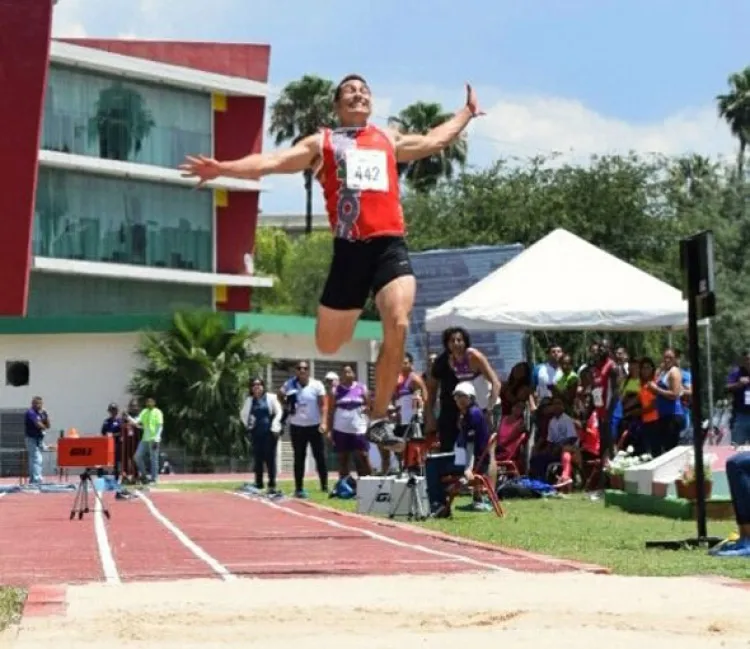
[172, 535]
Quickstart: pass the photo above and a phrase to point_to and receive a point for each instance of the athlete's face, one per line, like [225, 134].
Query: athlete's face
[354, 104]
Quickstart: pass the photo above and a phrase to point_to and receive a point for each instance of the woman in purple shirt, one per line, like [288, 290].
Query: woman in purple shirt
[349, 424]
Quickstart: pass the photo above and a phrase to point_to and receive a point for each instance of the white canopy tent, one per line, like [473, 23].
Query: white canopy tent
[563, 283]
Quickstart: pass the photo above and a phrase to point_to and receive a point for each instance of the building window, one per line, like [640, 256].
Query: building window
[106, 117]
[95, 218]
[71, 295]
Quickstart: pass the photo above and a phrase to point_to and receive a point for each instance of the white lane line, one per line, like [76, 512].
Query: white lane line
[183, 538]
[111, 575]
[379, 537]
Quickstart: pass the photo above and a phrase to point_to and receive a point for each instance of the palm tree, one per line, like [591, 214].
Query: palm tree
[303, 107]
[198, 370]
[421, 117]
[734, 107]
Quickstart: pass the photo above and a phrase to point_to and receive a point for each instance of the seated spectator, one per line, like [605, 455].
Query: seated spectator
[510, 434]
[738, 477]
[558, 444]
[471, 451]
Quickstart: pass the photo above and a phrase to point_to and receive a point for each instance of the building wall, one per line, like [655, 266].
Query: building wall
[78, 375]
[24, 51]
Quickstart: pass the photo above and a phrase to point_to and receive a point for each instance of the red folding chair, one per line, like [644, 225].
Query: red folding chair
[480, 483]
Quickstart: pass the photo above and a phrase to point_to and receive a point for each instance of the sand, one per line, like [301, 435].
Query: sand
[548, 611]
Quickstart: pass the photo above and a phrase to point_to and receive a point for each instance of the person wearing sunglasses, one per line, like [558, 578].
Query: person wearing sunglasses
[305, 398]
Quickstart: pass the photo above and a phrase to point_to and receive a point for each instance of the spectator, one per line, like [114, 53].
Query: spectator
[687, 388]
[549, 373]
[349, 424]
[566, 386]
[113, 426]
[629, 408]
[738, 477]
[668, 390]
[261, 414]
[648, 437]
[604, 394]
[151, 422]
[471, 448]
[458, 363]
[555, 443]
[738, 385]
[518, 388]
[36, 424]
[305, 399]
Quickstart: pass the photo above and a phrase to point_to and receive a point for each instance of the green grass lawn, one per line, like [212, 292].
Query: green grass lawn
[572, 528]
[11, 602]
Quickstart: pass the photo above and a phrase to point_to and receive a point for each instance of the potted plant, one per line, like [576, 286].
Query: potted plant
[686, 485]
[623, 461]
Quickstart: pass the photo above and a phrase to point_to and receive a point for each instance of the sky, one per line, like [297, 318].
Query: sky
[570, 77]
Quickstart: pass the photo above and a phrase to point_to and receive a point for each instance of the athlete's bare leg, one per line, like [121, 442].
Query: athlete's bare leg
[394, 301]
[334, 328]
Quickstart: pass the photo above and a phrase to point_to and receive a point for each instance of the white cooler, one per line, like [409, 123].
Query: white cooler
[385, 496]
[374, 495]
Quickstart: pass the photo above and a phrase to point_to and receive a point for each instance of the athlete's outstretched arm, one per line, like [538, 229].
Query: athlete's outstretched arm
[287, 161]
[410, 146]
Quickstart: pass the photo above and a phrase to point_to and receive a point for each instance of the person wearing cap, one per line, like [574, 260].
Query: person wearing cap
[473, 438]
[112, 426]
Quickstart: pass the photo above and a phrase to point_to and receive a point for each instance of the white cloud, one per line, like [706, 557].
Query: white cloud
[533, 125]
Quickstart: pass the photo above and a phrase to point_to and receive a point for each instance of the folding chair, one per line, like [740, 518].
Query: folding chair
[479, 482]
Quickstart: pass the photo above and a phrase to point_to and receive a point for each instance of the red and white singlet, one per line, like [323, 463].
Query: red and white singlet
[359, 177]
[601, 391]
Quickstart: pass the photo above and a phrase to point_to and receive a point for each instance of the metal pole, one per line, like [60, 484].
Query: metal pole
[709, 374]
[695, 360]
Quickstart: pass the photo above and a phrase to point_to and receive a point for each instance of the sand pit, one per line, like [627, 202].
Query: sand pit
[544, 611]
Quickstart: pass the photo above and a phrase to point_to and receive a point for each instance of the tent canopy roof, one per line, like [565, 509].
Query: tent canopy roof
[563, 283]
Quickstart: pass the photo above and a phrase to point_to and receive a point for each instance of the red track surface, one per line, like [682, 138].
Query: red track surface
[223, 535]
[39, 544]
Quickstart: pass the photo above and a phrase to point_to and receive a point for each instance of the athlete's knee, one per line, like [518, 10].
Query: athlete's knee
[327, 343]
[395, 326]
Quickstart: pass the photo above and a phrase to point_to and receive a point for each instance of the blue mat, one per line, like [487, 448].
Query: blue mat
[9, 489]
[48, 488]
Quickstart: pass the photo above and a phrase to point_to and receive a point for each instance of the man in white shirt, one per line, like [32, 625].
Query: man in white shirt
[305, 398]
[549, 373]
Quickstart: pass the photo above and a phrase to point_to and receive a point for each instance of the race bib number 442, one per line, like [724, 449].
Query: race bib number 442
[366, 170]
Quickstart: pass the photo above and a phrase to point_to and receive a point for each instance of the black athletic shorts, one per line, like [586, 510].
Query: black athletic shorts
[361, 268]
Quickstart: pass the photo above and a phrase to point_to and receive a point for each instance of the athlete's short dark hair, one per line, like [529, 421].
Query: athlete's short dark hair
[345, 80]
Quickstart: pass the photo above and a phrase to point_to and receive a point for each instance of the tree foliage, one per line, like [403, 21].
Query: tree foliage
[198, 371]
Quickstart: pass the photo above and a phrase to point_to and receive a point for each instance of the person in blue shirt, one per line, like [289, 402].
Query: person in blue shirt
[36, 425]
[473, 438]
[112, 426]
[738, 385]
[687, 389]
[738, 477]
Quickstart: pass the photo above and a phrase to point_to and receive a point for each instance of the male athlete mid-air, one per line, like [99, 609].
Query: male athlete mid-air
[356, 166]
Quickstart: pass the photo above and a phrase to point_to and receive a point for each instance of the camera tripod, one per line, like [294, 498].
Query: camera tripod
[415, 509]
[81, 500]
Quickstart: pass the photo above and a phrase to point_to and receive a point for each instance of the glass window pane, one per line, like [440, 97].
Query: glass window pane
[108, 117]
[96, 218]
[69, 295]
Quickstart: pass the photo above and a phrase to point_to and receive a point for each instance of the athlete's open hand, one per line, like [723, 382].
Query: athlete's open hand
[473, 102]
[200, 167]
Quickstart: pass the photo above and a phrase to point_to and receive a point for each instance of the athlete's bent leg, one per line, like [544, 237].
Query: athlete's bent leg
[334, 328]
[394, 301]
